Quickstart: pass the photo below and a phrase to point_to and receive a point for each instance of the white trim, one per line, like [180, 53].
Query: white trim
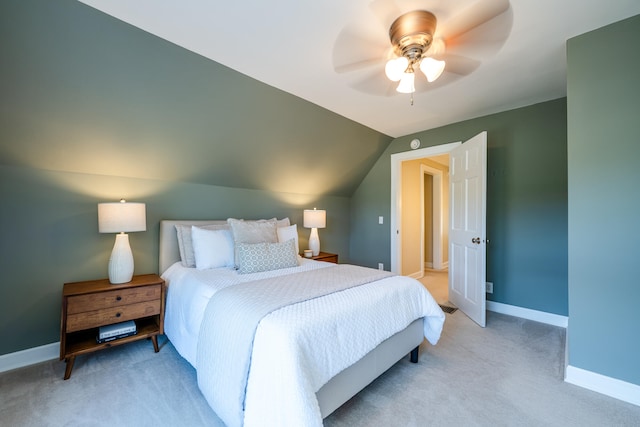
[416, 275]
[30, 356]
[527, 313]
[608, 386]
[396, 182]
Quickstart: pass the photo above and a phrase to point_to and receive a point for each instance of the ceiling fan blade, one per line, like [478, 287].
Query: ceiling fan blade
[386, 11]
[472, 16]
[353, 51]
[375, 83]
[359, 65]
[460, 65]
[483, 40]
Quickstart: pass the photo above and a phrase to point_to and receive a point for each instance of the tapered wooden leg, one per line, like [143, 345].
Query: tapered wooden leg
[414, 355]
[69, 361]
[154, 340]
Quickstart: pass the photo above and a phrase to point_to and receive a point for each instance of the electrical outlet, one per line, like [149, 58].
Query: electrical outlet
[380, 220]
[380, 266]
[489, 287]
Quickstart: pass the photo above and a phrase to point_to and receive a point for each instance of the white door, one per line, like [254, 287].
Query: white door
[467, 238]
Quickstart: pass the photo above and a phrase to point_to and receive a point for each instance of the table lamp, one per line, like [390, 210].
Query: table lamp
[314, 219]
[121, 217]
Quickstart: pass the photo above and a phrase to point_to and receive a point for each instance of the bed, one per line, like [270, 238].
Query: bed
[300, 367]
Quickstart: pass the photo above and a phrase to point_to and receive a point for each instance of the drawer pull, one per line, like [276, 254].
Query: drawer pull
[118, 298]
[118, 314]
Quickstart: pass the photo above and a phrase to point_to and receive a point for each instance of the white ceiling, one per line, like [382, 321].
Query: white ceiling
[303, 47]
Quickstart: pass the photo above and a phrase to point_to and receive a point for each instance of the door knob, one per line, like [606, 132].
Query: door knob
[475, 240]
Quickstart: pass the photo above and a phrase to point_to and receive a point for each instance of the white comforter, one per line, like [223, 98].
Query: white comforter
[298, 348]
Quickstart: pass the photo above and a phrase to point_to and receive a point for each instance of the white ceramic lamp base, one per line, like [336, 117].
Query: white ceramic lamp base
[314, 242]
[121, 260]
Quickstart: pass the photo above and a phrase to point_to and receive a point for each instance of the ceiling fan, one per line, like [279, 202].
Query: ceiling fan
[377, 61]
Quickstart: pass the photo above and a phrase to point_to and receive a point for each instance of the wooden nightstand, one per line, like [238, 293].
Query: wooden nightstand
[88, 305]
[327, 257]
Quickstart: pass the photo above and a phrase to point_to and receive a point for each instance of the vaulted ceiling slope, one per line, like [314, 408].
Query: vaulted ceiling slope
[83, 92]
[332, 52]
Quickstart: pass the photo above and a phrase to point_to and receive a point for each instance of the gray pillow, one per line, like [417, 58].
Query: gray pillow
[253, 231]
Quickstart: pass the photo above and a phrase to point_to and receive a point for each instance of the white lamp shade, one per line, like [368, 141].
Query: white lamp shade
[121, 217]
[407, 83]
[432, 68]
[313, 218]
[395, 68]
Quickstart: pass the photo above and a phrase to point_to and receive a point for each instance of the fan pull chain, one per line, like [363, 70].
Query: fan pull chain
[412, 99]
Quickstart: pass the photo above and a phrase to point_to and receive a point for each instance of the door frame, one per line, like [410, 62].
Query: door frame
[396, 194]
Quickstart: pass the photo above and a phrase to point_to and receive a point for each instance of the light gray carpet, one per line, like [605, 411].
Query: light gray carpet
[508, 374]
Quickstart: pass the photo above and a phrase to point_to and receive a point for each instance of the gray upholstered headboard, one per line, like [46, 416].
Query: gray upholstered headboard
[168, 252]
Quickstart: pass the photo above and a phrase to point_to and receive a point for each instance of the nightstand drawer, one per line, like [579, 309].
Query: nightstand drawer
[110, 299]
[326, 257]
[108, 316]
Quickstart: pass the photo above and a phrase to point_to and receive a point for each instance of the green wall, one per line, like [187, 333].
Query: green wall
[604, 201]
[50, 235]
[93, 109]
[526, 203]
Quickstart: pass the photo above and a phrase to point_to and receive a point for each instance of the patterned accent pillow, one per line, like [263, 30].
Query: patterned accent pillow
[257, 257]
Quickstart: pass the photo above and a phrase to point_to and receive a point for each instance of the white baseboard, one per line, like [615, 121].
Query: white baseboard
[608, 386]
[443, 266]
[30, 356]
[416, 275]
[527, 313]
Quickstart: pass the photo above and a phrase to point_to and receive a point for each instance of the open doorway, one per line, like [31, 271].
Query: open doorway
[467, 228]
[434, 191]
[420, 217]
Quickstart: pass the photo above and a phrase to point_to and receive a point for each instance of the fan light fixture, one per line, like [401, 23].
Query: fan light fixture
[411, 35]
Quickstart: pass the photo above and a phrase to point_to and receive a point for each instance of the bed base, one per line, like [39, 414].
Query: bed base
[350, 381]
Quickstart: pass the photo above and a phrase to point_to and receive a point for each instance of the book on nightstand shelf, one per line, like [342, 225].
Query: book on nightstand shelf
[116, 331]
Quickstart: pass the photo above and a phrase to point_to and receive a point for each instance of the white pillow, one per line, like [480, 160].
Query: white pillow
[212, 248]
[288, 233]
[185, 246]
[257, 257]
